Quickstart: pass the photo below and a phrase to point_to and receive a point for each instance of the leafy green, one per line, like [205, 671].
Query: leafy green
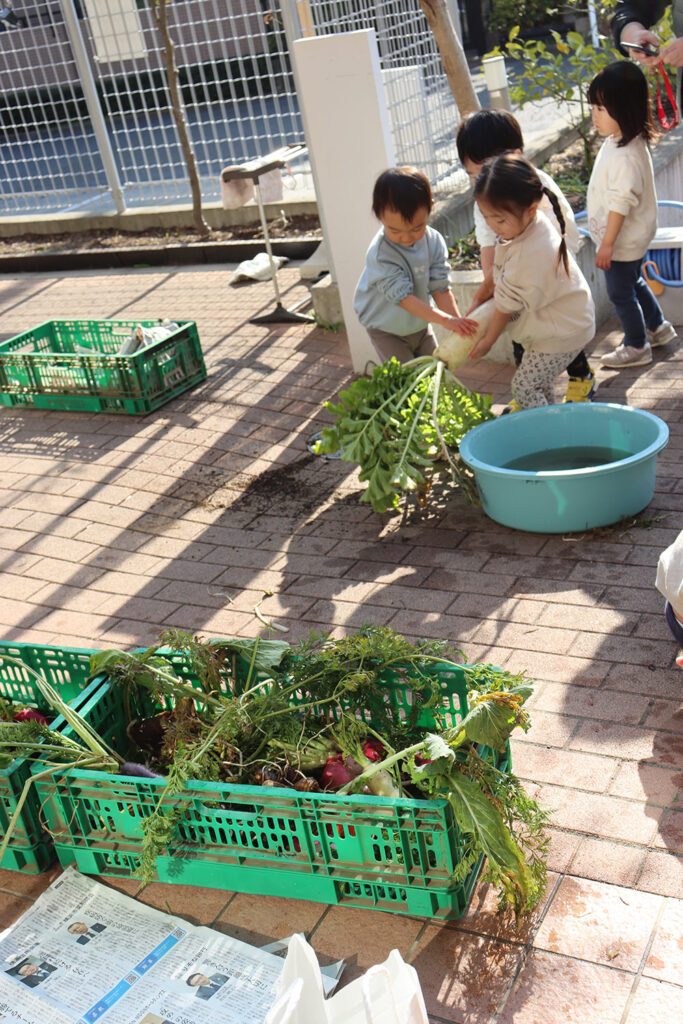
[402, 424]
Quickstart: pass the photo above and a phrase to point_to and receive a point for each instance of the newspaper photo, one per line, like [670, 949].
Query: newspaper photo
[84, 953]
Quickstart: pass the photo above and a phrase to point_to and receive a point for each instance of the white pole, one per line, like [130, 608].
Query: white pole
[348, 135]
[93, 104]
[593, 21]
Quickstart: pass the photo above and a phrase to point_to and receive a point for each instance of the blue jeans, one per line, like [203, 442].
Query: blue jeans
[636, 306]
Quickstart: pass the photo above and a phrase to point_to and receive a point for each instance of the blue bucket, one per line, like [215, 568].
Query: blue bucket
[561, 500]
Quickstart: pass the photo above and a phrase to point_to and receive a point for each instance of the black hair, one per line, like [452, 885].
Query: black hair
[622, 89]
[403, 189]
[510, 182]
[487, 133]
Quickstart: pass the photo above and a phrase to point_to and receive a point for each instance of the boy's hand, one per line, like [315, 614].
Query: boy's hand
[603, 257]
[461, 325]
[482, 347]
[481, 295]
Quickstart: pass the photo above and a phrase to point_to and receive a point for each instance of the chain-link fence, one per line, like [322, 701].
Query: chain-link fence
[87, 121]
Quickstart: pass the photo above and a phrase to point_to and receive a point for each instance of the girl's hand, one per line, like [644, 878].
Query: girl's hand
[482, 347]
[461, 325]
[603, 257]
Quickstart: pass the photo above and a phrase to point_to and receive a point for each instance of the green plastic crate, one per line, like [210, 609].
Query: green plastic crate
[30, 849]
[391, 854]
[44, 367]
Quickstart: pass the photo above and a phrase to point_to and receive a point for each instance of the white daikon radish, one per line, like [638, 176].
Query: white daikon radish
[455, 348]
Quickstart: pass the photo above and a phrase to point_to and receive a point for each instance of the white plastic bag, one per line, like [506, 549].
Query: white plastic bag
[141, 337]
[388, 993]
[257, 269]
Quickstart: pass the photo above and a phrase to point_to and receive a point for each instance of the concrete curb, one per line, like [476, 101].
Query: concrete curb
[172, 255]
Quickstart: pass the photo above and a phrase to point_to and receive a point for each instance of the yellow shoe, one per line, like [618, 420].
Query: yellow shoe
[512, 407]
[581, 389]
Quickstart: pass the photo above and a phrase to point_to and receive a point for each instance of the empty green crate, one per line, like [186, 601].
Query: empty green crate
[46, 367]
[67, 669]
[391, 854]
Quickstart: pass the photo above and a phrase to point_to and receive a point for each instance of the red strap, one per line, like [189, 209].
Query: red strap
[665, 122]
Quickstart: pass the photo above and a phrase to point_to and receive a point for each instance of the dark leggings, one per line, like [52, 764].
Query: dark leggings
[577, 368]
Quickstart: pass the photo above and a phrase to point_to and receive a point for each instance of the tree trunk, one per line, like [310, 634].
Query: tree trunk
[178, 108]
[452, 55]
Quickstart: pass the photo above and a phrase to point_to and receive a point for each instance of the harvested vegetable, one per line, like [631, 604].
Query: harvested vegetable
[325, 718]
[403, 424]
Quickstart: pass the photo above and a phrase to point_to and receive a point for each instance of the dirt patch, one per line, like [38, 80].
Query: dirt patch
[299, 488]
[299, 226]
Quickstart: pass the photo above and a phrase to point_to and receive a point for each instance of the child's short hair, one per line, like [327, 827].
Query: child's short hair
[621, 88]
[487, 133]
[403, 189]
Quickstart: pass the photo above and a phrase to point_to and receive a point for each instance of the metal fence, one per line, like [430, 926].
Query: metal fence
[85, 117]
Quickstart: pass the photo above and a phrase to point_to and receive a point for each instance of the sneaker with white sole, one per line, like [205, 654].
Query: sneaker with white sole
[662, 335]
[627, 355]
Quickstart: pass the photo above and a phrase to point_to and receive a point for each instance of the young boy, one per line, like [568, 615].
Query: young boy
[404, 287]
[481, 136]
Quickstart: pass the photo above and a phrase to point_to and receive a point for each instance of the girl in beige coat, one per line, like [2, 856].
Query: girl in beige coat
[536, 282]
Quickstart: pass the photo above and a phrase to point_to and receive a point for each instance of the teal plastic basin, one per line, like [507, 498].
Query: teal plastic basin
[563, 500]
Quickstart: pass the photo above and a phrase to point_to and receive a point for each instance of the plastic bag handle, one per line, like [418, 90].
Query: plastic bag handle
[666, 122]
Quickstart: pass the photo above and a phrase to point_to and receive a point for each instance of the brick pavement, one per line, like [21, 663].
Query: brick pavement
[113, 528]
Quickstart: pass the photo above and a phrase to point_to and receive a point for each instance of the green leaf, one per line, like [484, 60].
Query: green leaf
[490, 721]
[266, 654]
[475, 814]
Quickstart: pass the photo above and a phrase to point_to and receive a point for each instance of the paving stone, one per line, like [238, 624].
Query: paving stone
[598, 922]
[554, 989]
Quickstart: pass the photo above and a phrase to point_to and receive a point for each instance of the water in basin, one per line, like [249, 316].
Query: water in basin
[571, 457]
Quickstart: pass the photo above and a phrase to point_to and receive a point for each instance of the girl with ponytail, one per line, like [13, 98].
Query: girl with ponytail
[537, 282]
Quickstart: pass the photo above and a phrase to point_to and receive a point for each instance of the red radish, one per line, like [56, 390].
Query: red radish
[335, 774]
[29, 715]
[374, 750]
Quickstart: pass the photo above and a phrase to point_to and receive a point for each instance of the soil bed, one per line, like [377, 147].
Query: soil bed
[299, 226]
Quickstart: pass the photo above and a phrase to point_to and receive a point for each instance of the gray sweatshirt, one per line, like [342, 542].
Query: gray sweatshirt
[392, 272]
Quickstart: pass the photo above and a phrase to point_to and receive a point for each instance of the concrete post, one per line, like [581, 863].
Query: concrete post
[347, 129]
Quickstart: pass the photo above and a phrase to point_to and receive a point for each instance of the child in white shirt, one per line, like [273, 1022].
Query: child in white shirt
[536, 280]
[622, 209]
[481, 136]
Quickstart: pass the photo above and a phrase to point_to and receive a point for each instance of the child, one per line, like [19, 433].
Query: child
[669, 582]
[536, 280]
[622, 209]
[406, 264]
[488, 133]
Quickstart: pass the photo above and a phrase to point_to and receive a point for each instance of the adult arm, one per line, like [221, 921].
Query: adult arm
[632, 23]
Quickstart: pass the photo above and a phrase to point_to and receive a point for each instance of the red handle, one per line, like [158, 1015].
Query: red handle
[665, 121]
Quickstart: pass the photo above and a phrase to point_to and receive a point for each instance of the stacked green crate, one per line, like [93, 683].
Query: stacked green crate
[392, 854]
[67, 669]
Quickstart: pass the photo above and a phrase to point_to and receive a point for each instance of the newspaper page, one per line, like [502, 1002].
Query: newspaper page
[85, 954]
